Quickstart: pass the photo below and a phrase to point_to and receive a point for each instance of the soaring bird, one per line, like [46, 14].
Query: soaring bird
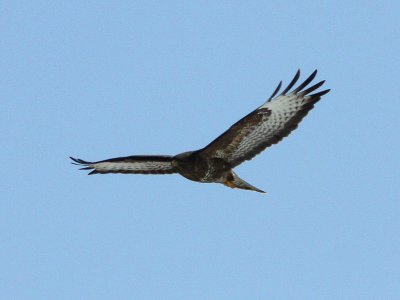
[263, 127]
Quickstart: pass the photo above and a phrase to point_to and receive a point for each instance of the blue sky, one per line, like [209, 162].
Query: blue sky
[103, 79]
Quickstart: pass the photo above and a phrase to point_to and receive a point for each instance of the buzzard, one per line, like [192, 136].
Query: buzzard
[265, 126]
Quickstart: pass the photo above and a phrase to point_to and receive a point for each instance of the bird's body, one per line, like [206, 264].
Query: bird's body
[266, 125]
[197, 167]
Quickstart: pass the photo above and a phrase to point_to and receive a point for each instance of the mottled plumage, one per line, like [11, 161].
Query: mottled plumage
[265, 126]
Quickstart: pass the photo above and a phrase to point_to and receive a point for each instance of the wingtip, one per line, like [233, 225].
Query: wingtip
[74, 161]
[80, 161]
[319, 94]
[313, 88]
[313, 74]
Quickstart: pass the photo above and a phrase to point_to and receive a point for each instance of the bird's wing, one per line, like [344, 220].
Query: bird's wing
[268, 124]
[144, 164]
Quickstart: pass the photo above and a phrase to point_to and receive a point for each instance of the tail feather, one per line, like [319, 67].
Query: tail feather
[235, 181]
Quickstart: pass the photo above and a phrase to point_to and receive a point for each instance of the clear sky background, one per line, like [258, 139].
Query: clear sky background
[96, 80]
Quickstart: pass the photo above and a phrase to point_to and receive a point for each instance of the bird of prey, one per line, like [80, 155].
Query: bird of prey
[263, 127]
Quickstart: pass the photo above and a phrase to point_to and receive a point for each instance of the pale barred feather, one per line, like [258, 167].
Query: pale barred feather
[131, 166]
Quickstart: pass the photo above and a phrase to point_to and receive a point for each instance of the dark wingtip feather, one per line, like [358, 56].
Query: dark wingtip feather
[313, 88]
[85, 164]
[75, 160]
[306, 82]
[292, 83]
[319, 94]
[78, 161]
[276, 91]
